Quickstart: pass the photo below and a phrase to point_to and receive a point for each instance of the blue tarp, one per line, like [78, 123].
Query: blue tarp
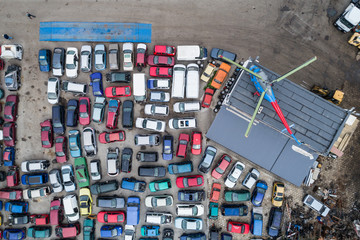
[95, 32]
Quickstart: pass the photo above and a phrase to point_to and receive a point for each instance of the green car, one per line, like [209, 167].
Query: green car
[88, 229]
[39, 232]
[81, 172]
[237, 196]
[213, 210]
[160, 185]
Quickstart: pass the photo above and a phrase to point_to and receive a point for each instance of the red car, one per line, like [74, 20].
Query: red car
[10, 194]
[67, 231]
[164, 61]
[11, 106]
[113, 113]
[215, 192]
[117, 136]
[84, 111]
[221, 167]
[238, 227]
[111, 217]
[12, 177]
[196, 139]
[47, 134]
[190, 181]
[61, 149]
[206, 102]
[161, 71]
[118, 91]
[9, 134]
[56, 214]
[182, 147]
[40, 219]
[164, 50]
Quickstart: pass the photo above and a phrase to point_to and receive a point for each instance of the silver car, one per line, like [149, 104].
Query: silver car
[113, 163]
[55, 180]
[114, 56]
[86, 56]
[98, 109]
[188, 223]
[100, 57]
[67, 173]
[89, 141]
[95, 170]
[53, 90]
[153, 109]
[159, 201]
[234, 174]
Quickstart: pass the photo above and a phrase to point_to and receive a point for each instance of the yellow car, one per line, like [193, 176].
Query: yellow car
[85, 202]
[278, 194]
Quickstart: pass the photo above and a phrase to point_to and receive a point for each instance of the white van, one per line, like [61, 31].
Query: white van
[11, 51]
[316, 205]
[178, 84]
[192, 81]
[185, 107]
[76, 88]
[158, 218]
[139, 87]
[71, 208]
[191, 53]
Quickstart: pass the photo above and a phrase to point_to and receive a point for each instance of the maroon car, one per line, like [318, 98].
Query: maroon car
[39, 219]
[84, 111]
[61, 149]
[164, 61]
[10, 194]
[68, 231]
[183, 143]
[12, 177]
[47, 134]
[161, 71]
[9, 134]
[164, 50]
[11, 106]
[56, 213]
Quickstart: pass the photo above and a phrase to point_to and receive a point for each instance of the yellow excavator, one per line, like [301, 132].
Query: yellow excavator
[334, 96]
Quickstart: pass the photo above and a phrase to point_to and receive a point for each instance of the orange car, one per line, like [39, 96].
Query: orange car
[215, 192]
[220, 75]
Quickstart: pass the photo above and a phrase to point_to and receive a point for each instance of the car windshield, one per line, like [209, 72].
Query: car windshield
[56, 62]
[167, 149]
[52, 95]
[43, 62]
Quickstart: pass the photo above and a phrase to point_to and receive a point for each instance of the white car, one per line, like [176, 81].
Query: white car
[185, 107]
[72, 62]
[129, 232]
[150, 124]
[95, 171]
[53, 90]
[113, 163]
[192, 210]
[128, 51]
[158, 83]
[316, 205]
[188, 223]
[34, 165]
[181, 123]
[159, 201]
[71, 208]
[159, 96]
[89, 141]
[100, 57]
[36, 192]
[56, 181]
[67, 173]
[234, 174]
[153, 109]
[251, 178]
[85, 57]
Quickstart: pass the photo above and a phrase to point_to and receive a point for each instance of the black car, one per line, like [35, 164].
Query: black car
[193, 236]
[274, 224]
[2, 176]
[12, 77]
[58, 119]
[152, 171]
[126, 159]
[214, 233]
[226, 236]
[191, 195]
[128, 114]
[18, 219]
[110, 202]
[147, 156]
[118, 77]
[72, 113]
[104, 187]
[58, 61]
[168, 234]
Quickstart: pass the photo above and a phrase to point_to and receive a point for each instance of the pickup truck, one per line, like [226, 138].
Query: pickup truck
[350, 17]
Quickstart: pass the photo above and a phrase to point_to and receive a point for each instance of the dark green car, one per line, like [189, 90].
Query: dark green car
[39, 232]
[237, 196]
[213, 210]
[88, 229]
[81, 172]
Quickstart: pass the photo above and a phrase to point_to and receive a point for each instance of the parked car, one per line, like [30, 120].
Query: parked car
[98, 110]
[159, 201]
[72, 113]
[58, 62]
[81, 172]
[165, 72]
[221, 167]
[118, 91]
[85, 57]
[158, 83]
[207, 159]
[193, 236]
[196, 145]
[47, 134]
[111, 216]
[112, 114]
[67, 173]
[126, 160]
[178, 83]
[18, 207]
[40, 219]
[113, 163]
[217, 54]
[128, 51]
[127, 114]
[9, 156]
[237, 195]
[208, 72]
[164, 50]
[274, 225]
[85, 201]
[104, 187]
[39, 232]
[186, 107]
[238, 227]
[44, 60]
[84, 111]
[147, 156]
[182, 123]
[58, 119]
[18, 219]
[12, 177]
[251, 178]
[220, 75]
[161, 61]
[152, 139]
[75, 88]
[234, 174]
[9, 134]
[167, 153]
[140, 56]
[71, 208]
[110, 202]
[188, 223]
[34, 165]
[256, 225]
[191, 195]
[89, 229]
[36, 192]
[117, 136]
[10, 194]
[234, 210]
[14, 233]
[208, 95]
[111, 231]
[316, 205]
[150, 231]
[151, 171]
[53, 90]
[11, 108]
[190, 181]
[114, 56]
[13, 77]
[67, 231]
[95, 170]
[100, 57]
[96, 83]
[192, 81]
[118, 77]
[213, 210]
[159, 185]
[277, 196]
[150, 124]
[56, 180]
[34, 179]
[156, 96]
[74, 143]
[180, 168]
[133, 211]
[192, 210]
[154, 109]
[72, 62]
[56, 212]
[215, 192]
[182, 146]
[158, 218]
[259, 193]
[89, 142]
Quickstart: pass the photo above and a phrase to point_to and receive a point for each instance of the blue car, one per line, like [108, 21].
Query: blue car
[167, 153]
[14, 233]
[72, 113]
[181, 167]
[44, 60]
[259, 193]
[97, 85]
[133, 211]
[17, 207]
[133, 185]
[34, 179]
[9, 156]
[150, 231]
[108, 231]
[193, 236]
[1, 205]
[74, 143]
[58, 119]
